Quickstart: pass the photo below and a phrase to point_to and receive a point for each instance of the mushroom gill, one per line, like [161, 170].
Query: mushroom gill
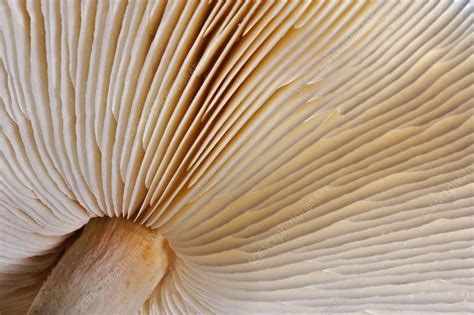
[306, 157]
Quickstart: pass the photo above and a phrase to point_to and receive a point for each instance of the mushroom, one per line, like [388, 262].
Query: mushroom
[203, 157]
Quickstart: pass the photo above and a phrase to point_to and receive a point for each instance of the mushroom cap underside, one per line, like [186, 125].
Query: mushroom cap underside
[299, 157]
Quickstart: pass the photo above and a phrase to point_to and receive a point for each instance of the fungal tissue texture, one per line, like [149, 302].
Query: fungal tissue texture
[298, 157]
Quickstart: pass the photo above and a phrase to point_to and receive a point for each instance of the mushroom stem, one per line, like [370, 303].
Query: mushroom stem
[112, 268]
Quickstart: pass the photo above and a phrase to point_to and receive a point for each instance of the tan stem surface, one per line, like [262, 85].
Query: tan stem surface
[112, 268]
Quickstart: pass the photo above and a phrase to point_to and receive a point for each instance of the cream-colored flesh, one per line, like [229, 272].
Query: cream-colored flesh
[112, 268]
